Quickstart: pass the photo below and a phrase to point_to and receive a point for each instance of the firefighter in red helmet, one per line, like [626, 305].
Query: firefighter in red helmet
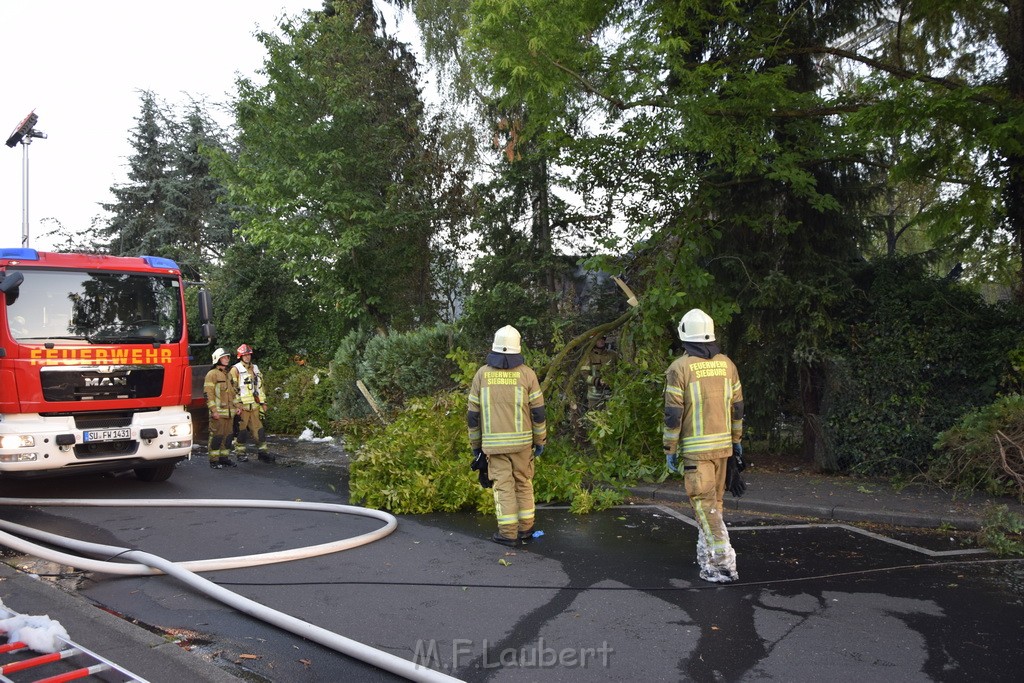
[251, 400]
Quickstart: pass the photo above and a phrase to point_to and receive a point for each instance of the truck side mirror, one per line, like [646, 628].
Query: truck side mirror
[9, 285]
[205, 309]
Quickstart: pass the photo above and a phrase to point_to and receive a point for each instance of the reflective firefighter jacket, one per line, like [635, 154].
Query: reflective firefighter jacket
[506, 410]
[220, 395]
[248, 383]
[597, 362]
[703, 407]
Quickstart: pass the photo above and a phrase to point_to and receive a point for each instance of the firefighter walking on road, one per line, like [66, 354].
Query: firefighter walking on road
[251, 401]
[704, 424]
[507, 424]
[220, 399]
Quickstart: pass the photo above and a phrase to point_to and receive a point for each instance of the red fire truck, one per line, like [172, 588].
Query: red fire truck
[94, 364]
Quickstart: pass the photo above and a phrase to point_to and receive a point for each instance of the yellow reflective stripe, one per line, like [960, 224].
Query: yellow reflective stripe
[519, 409]
[485, 404]
[674, 390]
[535, 395]
[697, 416]
[518, 440]
[507, 519]
[709, 442]
[526, 514]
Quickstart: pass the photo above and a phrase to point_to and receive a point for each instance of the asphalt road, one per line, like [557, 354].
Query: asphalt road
[611, 596]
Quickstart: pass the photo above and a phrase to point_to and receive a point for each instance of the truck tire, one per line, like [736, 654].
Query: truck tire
[161, 472]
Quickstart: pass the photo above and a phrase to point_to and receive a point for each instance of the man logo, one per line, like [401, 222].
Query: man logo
[106, 381]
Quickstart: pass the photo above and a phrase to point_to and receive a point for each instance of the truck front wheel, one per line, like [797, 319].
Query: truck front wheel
[161, 472]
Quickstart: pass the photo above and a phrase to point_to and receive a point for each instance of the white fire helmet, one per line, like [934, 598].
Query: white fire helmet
[696, 326]
[218, 354]
[506, 340]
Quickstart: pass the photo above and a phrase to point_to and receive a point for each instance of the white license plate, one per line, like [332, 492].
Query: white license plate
[106, 435]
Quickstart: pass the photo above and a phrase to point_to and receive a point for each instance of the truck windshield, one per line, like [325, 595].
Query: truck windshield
[96, 307]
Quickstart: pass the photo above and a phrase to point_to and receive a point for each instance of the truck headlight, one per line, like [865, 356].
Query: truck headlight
[17, 441]
[184, 429]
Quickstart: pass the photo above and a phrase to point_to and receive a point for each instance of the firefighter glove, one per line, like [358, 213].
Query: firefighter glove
[537, 450]
[672, 462]
[733, 480]
[737, 452]
[479, 460]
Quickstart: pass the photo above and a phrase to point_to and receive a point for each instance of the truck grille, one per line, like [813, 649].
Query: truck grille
[106, 449]
[101, 382]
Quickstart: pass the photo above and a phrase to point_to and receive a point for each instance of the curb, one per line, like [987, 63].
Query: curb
[829, 513]
[131, 647]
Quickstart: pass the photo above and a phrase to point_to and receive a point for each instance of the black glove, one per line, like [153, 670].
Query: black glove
[480, 465]
[479, 460]
[737, 452]
[733, 480]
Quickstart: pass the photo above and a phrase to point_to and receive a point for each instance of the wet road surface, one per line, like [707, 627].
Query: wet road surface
[610, 596]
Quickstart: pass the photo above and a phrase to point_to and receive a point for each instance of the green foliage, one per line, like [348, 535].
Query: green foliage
[172, 204]
[257, 302]
[1002, 532]
[419, 463]
[400, 365]
[974, 454]
[348, 402]
[299, 396]
[920, 352]
[335, 169]
[504, 303]
[625, 436]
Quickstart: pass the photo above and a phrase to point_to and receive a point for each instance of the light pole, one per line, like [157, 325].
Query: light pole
[24, 133]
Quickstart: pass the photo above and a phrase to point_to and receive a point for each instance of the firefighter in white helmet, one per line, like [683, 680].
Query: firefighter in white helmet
[507, 425]
[704, 425]
[251, 400]
[220, 399]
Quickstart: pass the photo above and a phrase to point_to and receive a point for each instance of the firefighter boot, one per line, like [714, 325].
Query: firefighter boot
[265, 456]
[225, 461]
[510, 542]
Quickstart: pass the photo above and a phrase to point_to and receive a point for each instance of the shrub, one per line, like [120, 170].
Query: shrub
[983, 451]
[403, 365]
[1002, 532]
[919, 354]
[625, 436]
[419, 463]
[298, 396]
[347, 403]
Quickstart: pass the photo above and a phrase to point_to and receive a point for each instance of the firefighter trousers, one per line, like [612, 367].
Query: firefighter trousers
[220, 435]
[705, 486]
[250, 424]
[512, 474]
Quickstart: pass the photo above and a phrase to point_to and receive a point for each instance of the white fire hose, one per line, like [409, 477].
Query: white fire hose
[148, 564]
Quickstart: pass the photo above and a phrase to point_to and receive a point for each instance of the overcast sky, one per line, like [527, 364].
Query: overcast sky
[81, 66]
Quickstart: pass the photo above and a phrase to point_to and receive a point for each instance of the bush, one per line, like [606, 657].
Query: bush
[919, 354]
[626, 434]
[983, 451]
[347, 403]
[419, 463]
[1002, 532]
[299, 396]
[403, 365]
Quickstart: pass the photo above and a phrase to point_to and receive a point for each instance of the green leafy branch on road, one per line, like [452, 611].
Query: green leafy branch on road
[1002, 532]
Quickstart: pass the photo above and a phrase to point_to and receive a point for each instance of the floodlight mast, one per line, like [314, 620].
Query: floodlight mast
[24, 133]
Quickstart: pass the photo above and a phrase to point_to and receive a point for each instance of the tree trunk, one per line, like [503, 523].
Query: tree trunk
[1013, 194]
